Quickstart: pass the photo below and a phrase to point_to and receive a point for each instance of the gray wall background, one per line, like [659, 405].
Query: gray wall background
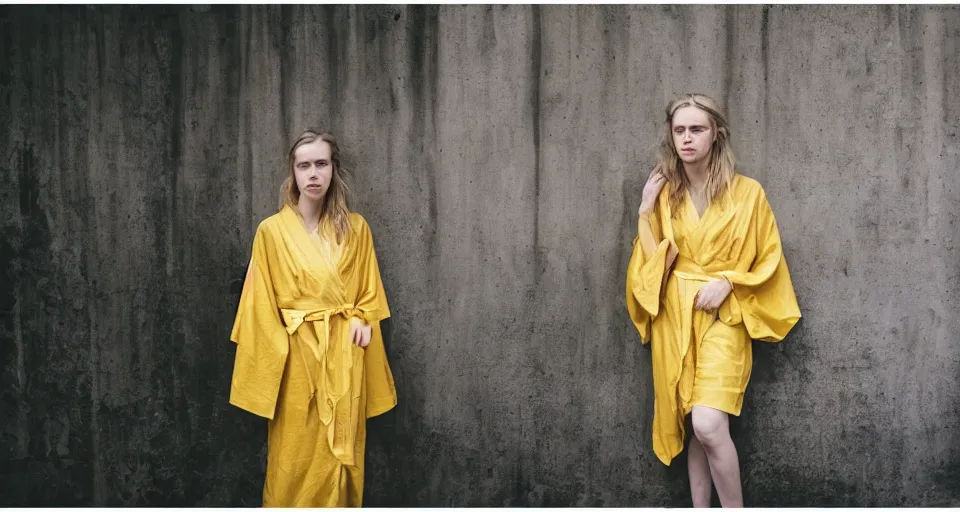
[499, 154]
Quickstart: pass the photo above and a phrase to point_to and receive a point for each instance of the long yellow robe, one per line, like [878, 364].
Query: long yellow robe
[296, 365]
[701, 358]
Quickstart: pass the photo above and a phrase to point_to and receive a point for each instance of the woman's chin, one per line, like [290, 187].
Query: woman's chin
[312, 195]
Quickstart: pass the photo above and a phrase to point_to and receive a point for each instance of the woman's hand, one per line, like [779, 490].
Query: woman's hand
[651, 190]
[712, 295]
[360, 332]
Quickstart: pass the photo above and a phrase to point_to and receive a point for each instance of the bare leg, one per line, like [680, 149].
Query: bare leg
[699, 470]
[712, 429]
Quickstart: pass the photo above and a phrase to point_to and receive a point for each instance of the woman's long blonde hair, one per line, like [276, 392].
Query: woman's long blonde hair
[335, 209]
[721, 164]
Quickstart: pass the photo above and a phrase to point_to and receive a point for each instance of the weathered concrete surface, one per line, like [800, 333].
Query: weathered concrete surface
[498, 155]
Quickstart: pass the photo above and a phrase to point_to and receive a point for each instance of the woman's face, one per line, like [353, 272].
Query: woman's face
[693, 134]
[313, 169]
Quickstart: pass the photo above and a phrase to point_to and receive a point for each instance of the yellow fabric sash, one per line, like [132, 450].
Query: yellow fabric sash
[338, 362]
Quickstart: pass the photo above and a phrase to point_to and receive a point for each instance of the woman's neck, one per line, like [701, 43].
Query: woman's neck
[696, 175]
[310, 211]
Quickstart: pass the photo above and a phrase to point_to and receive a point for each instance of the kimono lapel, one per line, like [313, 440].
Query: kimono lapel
[309, 256]
[707, 228]
[694, 223]
[691, 209]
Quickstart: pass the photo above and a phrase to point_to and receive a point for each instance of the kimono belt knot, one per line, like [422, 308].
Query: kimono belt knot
[336, 362]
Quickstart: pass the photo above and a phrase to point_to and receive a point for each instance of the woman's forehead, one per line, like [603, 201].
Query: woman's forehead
[690, 116]
[318, 149]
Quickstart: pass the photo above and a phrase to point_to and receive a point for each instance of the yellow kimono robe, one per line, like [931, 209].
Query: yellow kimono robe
[296, 365]
[701, 358]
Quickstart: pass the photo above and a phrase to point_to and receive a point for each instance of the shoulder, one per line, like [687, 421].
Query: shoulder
[270, 224]
[359, 225]
[267, 235]
[357, 222]
[746, 184]
[747, 189]
[269, 229]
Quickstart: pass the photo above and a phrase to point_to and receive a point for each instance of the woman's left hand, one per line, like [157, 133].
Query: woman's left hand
[360, 332]
[712, 295]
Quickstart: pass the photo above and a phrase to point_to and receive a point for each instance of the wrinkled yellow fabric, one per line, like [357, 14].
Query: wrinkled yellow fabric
[297, 366]
[701, 358]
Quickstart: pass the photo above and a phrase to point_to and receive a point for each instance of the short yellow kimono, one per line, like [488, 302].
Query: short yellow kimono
[702, 358]
[296, 364]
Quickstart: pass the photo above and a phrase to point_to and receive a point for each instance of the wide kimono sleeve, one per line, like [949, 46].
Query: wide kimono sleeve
[763, 297]
[261, 338]
[645, 274]
[372, 301]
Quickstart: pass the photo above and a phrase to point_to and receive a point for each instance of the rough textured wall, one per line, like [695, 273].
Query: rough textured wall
[499, 154]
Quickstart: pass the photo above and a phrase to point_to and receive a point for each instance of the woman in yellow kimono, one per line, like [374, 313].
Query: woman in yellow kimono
[310, 354]
[706, 276]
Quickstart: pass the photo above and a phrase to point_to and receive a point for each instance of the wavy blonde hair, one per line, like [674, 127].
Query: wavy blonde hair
[721, 166]
[335, 208]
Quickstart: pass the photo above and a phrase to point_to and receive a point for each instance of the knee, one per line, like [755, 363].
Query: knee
[710, 429]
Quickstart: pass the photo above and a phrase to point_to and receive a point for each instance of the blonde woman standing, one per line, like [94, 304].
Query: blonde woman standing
[706, 276]
[310, 355]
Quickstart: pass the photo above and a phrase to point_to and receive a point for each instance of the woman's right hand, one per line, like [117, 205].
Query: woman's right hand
[651, 190]
[359, 332]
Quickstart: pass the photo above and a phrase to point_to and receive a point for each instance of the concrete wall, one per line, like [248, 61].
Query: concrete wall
[499, 154]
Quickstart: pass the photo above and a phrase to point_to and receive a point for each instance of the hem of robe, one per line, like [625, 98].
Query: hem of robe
[380, 406]
[773, 337]
[646, 291]
[681, 440]
[259, 409]
[719, 400]
[376, 315]
[665, 456]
